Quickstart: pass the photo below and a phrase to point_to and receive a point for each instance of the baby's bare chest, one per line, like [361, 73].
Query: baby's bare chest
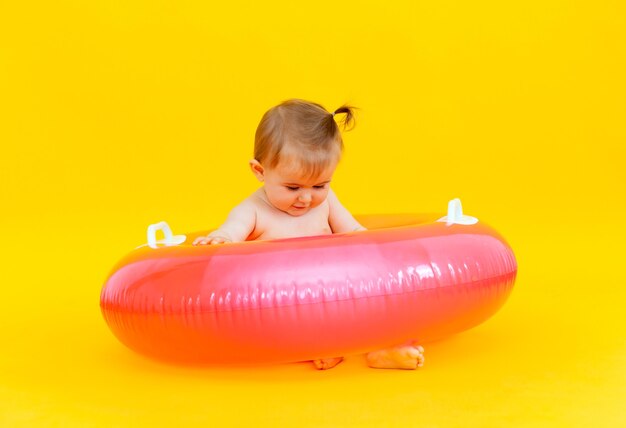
[272, 225]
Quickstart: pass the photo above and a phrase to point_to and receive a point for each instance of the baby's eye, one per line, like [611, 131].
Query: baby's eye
[293, 189]
[323, 186]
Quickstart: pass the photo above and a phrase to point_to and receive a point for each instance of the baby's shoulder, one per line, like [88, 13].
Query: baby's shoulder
[253, 200]
[264, 215]
[245, 209]
[258, 204]
[256, 200]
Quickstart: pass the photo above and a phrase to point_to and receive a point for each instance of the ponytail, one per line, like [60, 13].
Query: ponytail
[348, 121]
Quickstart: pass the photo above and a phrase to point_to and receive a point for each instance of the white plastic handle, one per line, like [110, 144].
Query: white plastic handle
[455, 214]
[169, 238]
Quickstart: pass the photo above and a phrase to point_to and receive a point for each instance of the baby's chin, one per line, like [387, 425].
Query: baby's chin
[295, 212]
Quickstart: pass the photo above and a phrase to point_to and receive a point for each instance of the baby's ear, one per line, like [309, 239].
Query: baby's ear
[257, 170]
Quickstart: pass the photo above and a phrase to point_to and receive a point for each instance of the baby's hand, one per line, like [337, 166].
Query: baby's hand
[210, 240]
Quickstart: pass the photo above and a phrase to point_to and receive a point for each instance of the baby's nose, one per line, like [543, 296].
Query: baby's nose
[305, 197]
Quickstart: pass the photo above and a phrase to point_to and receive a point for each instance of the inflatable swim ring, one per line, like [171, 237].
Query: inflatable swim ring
[407, 277]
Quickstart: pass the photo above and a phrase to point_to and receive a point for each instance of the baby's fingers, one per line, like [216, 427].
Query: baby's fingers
[210, 240]
[203, 240]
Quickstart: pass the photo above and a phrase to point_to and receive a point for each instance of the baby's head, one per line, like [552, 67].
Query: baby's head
[297, 147]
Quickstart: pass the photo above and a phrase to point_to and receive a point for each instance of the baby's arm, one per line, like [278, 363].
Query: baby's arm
[238, 226]
[339, 217]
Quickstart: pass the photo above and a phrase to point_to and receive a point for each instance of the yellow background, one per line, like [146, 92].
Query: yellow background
[115, 115]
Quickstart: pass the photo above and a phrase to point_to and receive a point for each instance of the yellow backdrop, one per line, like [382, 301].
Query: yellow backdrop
[115, 115]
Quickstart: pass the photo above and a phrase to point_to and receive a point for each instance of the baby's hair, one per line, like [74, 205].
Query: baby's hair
[304, 131]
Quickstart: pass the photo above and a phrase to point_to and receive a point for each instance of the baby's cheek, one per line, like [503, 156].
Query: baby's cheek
[323, 197]
[289, 201]
[282, 201]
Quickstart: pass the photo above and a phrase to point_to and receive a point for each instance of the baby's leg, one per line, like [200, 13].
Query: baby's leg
[327, 363]
[406, 356]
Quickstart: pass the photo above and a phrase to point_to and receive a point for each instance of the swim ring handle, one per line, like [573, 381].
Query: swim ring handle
[169, 238]
[455, 214]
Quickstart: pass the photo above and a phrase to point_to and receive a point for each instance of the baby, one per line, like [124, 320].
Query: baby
[296, 151]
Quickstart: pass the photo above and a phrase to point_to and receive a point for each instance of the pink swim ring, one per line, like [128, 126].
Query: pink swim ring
[419, 277]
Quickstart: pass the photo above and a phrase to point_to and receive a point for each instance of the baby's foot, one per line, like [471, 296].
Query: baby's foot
[407, 356]
[327, 363]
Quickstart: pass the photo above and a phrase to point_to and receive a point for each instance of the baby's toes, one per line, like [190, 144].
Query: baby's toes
[416, 353]
[419, 358]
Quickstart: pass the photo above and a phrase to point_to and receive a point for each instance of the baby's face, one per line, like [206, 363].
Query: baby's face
[290, 191]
